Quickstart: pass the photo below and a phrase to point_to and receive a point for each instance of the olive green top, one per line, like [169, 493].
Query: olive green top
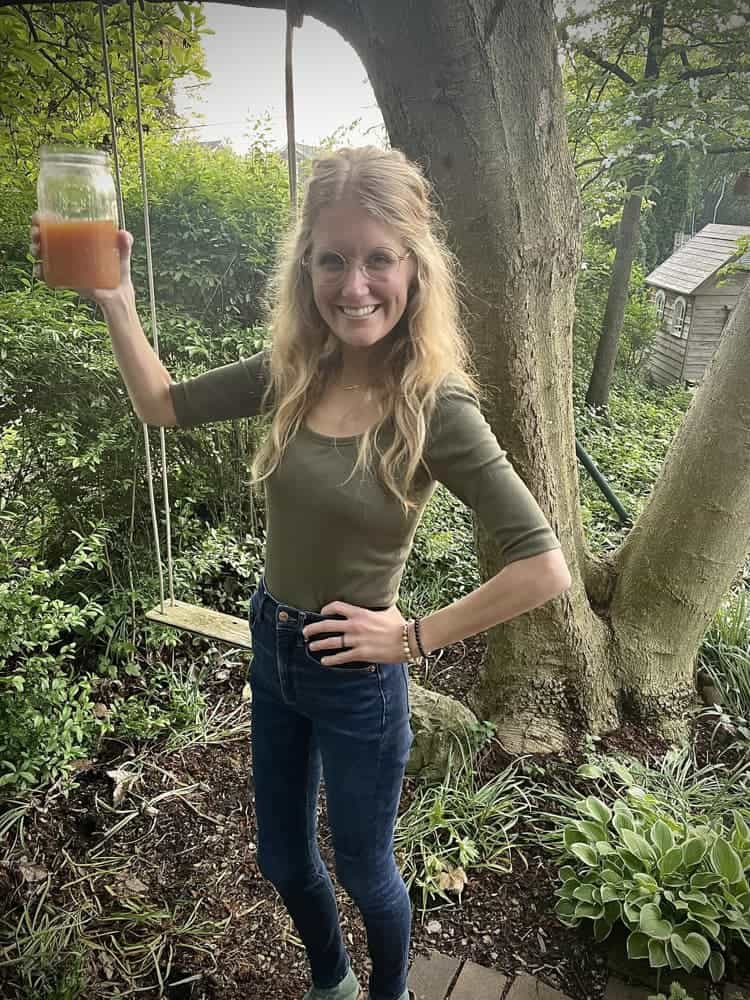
[327, 541]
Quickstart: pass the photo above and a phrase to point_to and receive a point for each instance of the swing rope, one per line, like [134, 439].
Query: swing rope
[214, 624]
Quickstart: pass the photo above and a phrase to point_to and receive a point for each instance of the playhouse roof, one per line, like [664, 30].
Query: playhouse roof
[700, 258]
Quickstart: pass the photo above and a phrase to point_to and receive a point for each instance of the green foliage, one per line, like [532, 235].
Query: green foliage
[676, 992]
[71, 444]
[666, 852]
[52, 83]
[216, 220]
[167, 701]
[458, 826]
[639, 323]
[622, 121]
[629, 445]
[442, 565]
[676, 193]
[218, 569]
[46, 708]
[725, 658]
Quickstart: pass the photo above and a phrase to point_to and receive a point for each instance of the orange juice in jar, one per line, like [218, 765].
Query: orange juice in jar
[77, 219]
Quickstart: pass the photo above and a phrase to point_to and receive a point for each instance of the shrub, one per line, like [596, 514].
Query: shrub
[676, 992]
[47, 714]
[673, 868]
[216, 219]
[71, 444]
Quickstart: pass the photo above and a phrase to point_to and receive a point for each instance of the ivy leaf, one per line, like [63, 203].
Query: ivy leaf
[590, 771]
[657, 954]
[593, 832]
[623, 819]
[670, 861]
[602, 929]
[637, 844]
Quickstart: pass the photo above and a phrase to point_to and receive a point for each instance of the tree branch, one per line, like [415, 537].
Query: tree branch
[594, 177]
[605, 64]
[80, 87]
[586, 163]
[700, 71]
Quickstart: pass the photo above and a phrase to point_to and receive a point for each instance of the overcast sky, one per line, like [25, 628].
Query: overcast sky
[245, 57]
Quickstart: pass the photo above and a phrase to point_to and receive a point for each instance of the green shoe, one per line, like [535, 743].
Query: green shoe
[347, 989]
[408, 995]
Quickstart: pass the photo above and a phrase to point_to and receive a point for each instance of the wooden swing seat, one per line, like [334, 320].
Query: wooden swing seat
[203, 621]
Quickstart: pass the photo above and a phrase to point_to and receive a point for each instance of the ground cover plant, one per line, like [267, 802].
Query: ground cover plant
[663, 850]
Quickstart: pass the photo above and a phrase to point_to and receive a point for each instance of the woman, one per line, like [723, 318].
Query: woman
[370, 400]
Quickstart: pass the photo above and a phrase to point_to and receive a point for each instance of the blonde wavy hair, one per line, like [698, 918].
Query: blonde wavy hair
[425, 348]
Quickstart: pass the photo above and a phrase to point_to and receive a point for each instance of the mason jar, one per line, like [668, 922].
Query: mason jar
[77, 203]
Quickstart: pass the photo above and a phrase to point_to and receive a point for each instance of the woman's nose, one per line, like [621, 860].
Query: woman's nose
[355, 281]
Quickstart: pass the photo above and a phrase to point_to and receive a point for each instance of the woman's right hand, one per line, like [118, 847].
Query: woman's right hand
[99, 295]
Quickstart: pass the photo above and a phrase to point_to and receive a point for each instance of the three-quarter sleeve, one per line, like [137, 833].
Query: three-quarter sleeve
[463, 453]
[225, 393]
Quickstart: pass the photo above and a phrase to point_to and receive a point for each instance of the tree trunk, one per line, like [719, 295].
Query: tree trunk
[628, 234]
[685, 550]
[474, 93]
[597, 394]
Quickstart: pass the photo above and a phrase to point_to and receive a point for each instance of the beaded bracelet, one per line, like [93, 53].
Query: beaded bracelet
[405, 639]
[418, 637]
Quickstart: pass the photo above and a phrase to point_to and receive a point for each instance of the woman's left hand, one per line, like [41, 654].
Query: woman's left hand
[372, 636]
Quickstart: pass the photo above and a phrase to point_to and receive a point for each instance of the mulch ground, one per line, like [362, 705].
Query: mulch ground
[198, 850]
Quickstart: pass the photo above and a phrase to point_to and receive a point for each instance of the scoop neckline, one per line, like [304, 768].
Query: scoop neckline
[330, 439]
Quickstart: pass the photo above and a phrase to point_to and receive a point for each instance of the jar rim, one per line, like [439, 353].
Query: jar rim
[73, 154]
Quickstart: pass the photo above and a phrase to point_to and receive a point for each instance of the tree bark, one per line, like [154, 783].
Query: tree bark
[687, 547]
[474, 93]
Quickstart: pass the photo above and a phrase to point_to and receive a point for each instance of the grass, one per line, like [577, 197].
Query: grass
[725, 659]
[458, 827]
[676, 785]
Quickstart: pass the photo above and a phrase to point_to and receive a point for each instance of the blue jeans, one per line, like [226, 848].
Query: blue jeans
[350, 724]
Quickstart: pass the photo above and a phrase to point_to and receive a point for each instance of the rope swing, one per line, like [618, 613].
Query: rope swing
[178, 614]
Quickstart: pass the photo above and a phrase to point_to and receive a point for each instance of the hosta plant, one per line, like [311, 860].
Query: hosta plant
[680, 889]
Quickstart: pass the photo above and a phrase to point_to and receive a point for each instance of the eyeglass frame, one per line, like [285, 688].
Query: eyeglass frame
[305, 263]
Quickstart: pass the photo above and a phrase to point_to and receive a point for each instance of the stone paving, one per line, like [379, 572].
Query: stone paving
[440, 977]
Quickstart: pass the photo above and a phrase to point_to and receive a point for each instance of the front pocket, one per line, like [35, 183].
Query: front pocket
[358, 667]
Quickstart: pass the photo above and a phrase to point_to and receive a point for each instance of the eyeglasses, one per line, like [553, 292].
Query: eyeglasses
[330, 266]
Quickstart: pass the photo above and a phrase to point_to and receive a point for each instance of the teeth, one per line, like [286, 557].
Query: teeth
[359, 312]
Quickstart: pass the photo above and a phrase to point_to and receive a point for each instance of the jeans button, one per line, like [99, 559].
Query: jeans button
[372, 668]
[283, 616]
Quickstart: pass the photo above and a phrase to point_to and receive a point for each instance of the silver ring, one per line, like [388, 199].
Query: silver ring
[343, 644]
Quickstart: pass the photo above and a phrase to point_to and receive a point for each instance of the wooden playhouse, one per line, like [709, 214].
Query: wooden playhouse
[693, 303]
